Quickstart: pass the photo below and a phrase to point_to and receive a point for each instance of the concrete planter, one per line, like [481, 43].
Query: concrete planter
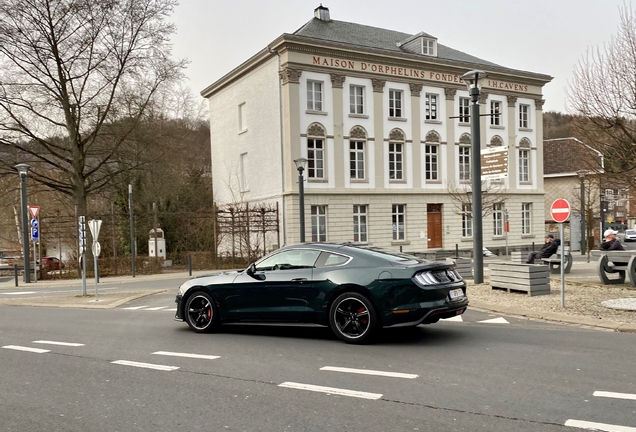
[526, 278]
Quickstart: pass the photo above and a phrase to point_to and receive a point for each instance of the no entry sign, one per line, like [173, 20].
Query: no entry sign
[560, 210]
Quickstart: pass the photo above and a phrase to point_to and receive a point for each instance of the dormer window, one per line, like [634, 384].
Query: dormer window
[429, 47]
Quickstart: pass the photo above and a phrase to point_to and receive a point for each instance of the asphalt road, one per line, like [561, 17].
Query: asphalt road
[471, 375]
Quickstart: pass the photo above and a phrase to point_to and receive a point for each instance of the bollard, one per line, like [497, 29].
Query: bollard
[15, 272]
[456, 250]
[190, 264]
[400, 248]
[532, 246]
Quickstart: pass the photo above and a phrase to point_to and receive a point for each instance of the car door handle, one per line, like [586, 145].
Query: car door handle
[299, 280]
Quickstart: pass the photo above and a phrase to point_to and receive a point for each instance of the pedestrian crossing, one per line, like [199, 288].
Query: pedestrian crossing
[153, 308]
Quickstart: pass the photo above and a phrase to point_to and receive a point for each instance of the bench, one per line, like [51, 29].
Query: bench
[554, 261]
[622, 263]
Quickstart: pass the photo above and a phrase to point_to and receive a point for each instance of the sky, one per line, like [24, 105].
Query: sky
[544, 36]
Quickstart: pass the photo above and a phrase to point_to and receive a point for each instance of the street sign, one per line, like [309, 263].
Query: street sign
[34, 210]
[34, 223]
[494, 163]
[82, 234]
[94, 226]
[560, 210]
[35, 233]
[97, 249]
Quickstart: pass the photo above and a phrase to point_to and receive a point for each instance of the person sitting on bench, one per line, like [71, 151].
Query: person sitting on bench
[549, 248]
[611, 242]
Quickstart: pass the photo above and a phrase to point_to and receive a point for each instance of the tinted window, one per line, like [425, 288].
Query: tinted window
[290, 259]
[335, 259]
[630, 232]
[390, 255]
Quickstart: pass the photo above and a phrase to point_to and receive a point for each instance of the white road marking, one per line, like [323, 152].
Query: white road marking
[21, 348]
[197, 356]
[135, 307]
[331, 390]
[615, 395]
[170, 310]
[145, 365]
[71, 344]
[457, 318]
[369, 372]
[19, 293]
[499, 320]
[599, 426]
[156, 308]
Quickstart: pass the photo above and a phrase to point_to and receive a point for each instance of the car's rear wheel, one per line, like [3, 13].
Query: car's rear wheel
[353, 318]
[200, 313]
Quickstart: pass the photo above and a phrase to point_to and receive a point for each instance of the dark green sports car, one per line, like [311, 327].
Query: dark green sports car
[355, 290]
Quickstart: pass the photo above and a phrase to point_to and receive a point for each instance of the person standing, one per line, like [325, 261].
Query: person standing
[547, 250]
[611, 242]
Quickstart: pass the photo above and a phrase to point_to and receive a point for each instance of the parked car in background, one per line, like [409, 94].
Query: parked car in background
[630, 235]
[51, 263]
[354, 290]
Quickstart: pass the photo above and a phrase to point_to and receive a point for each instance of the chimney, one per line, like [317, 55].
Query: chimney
[322, 13]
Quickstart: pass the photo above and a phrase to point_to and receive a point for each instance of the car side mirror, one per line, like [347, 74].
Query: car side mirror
[251, 270]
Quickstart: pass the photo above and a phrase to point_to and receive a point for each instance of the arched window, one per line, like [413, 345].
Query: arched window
[431, 156]
[316, 136]
[357, 153]
[524, 160]
[496, 141]
[464, 157]
[397, 139]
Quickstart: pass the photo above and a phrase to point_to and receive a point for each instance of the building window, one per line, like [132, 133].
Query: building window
[495, 113]
[609, 194]
[431, 106]
[360, 223]
[497, 219]
[619, 204]
[524, 116]
[620, 214]
[356, 159]
[396, 161]
[464, 110]
[319, 223]
[242, 121]
[314, 95]
[398, 216]
[395, 103]
[242, 177]
[467, 220]
[526, 218]
[356, 99]
[464, 163]
[431, 161]
[428, 47]
[524, 165]
[315, 158]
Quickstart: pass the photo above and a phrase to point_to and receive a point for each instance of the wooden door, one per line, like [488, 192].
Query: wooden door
[434, 223]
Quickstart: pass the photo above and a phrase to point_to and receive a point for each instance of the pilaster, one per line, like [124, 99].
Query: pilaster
[513, 156]
[291, 112]
[416, 122]
[340, 158]
[538, 102]
[378, 131]
[451, 150]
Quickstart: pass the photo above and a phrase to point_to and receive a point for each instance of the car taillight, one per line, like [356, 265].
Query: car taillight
[434, 277]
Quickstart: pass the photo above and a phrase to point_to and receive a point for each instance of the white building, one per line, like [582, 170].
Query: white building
[372, 111]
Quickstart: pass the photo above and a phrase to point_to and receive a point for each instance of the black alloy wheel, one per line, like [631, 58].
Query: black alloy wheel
[200, 313]
[353, 318]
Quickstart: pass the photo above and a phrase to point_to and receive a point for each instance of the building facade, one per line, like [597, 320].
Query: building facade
[383, 119]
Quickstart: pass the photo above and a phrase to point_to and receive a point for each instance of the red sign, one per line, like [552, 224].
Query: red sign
[560, 210]
[34, 210]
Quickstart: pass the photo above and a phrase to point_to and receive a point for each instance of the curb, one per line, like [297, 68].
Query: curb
[64, 301]
[555, 317]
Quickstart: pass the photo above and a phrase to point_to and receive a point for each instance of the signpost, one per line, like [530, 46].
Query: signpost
[35, 236]
[494, 163]
[82, 250]
[560, 212]
[95, 226]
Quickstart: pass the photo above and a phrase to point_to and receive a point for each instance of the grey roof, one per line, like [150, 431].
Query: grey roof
[373, 37]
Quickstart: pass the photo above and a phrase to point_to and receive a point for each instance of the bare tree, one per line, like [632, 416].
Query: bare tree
[603, 94]
[76, 79]
[462, 197]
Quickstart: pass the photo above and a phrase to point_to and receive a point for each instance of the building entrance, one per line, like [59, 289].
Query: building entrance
[434, 225]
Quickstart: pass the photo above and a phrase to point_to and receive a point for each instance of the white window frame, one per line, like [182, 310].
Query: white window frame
[526, 218]
[242, 120]
[357, 168]
[396, 161]
[524, 116]
[398, 220]
[430, 106]
[495, 107]
[315, 99]
[464, 163]
[315, 158]
[464, 109]
[244, 187]
[396, 103]
[356, 99]
[360, 223]
[467, 221]
[524, 165]
[429, 47]
[497, 219]
[319, 223]
[431, 162]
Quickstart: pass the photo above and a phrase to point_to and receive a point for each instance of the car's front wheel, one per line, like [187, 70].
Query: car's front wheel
[353, 318]
[200, 313]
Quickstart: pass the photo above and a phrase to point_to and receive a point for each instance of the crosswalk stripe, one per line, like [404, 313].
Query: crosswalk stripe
[369, 372]
[28, 349]
[71, 344]
[145, 365]
[598, 426]
[499, 320]
[615, 395]
[156, 308]
[170, 310]
[135, 307]
[331, 390]
[197, 356]
[19, 293]
[457, 318]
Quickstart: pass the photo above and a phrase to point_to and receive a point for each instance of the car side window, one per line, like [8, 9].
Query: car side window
[288, 260]
[328, 259]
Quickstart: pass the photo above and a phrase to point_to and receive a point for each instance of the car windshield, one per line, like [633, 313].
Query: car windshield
[630, 232]
[390, 255]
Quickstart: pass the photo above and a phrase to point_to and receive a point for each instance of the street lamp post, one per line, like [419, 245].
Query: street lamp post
[473, 80]
[23, 169]
[301, 163]
[581, 174]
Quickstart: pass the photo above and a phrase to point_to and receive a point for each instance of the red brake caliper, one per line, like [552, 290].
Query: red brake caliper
[362, 320]
[209, 313]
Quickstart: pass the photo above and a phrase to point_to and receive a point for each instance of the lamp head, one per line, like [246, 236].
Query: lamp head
[301, 164]
[23, 169]
[474, 79]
